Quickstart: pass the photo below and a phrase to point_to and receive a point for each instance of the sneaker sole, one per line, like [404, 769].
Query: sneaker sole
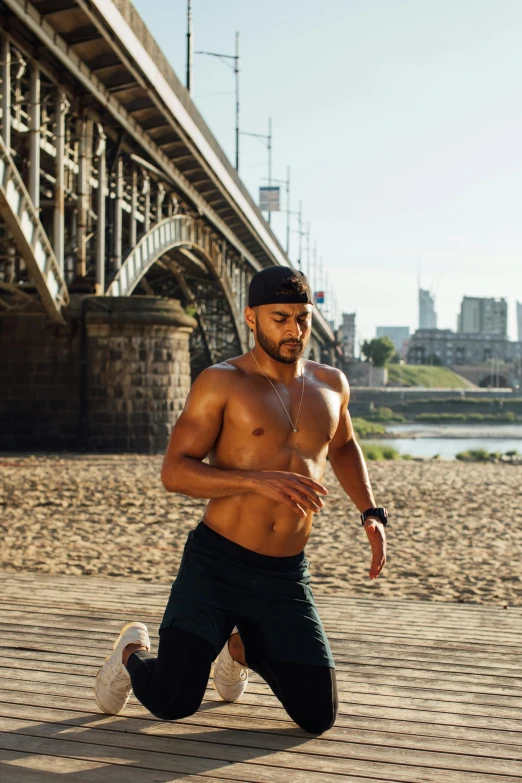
[229, 701]
[100, 705]
[122, 631]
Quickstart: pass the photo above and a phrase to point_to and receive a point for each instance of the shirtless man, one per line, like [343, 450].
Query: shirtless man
[267, 420]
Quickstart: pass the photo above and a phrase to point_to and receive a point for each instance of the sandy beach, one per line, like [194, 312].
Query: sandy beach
[452, 536]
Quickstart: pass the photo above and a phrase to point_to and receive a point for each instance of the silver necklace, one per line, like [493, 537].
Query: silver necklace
[294, 426]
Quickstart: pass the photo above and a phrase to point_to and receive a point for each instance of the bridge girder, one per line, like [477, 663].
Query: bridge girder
[103, 181]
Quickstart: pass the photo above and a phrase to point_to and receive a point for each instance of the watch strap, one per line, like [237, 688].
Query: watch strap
[381, 513]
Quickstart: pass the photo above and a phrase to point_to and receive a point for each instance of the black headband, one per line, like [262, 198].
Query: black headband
[279, 285]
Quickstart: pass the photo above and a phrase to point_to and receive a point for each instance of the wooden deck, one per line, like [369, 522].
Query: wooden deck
[428, 691]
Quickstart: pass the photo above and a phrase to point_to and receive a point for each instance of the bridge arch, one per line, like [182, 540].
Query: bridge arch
[181, 246]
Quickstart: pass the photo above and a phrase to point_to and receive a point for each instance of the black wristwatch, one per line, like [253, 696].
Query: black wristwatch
[381, 513]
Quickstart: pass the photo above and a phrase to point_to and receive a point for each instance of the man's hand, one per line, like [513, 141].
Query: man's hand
[301, 493]
[377, 538]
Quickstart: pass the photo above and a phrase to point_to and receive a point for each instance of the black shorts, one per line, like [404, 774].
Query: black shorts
[221, 584]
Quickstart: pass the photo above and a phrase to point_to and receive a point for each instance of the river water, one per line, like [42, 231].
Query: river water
[447, 440]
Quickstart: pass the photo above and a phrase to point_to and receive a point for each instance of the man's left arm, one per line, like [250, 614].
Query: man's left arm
[347, 461]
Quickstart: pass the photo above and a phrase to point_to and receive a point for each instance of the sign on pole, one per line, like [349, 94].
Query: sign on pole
[319, 297]
[269, 199]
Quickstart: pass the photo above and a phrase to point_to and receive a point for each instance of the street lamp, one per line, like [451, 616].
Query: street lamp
[189, 46]
[299, 231]
[267, 138]
[288, 212]
[235, 67]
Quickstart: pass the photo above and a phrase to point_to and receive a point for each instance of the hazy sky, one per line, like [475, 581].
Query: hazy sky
[401, 121]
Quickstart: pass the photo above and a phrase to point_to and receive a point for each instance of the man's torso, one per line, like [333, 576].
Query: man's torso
[256, 434]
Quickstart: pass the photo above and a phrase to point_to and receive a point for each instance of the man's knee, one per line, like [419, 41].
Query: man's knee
[315, 710]
[315, 724]
[180, 708]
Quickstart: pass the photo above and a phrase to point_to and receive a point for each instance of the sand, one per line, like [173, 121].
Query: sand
[455, 530]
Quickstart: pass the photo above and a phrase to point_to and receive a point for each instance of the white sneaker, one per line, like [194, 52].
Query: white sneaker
[112, 686]
[229, 677]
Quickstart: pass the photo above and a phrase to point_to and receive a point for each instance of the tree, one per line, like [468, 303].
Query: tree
[379, 350]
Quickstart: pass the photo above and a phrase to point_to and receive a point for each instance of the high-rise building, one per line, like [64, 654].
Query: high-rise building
[482, 315]
[519, 320]
[427, 314]
[398, 335]
[348, 336]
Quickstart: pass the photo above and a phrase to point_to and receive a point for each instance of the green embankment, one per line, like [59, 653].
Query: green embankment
[368, 429]
[507, 417]
[423, 375]
[363, 427]
[374, 452]
[482, 455]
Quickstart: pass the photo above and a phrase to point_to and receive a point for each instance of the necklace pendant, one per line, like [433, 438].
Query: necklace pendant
[295, 429]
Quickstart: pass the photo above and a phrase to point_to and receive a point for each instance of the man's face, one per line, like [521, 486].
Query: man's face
[282, 330]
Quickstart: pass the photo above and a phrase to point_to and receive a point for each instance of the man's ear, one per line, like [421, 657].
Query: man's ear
[250, 318]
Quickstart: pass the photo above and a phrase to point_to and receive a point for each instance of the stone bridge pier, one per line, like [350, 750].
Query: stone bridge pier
[113, 379]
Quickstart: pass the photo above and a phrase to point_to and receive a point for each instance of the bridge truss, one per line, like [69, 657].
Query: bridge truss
[104, 191]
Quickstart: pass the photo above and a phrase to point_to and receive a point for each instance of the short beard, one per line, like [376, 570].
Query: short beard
[274, 350]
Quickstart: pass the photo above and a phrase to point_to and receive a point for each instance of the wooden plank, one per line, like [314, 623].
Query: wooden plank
[238, 746]
[273, 711]
[17, 767]
[345, 673]
[503, 620]
[347, 689]
[384, 611]
[249, 764]
[424, 667]
[346, 682]
[488, 742]
[185, 764]
[268, 735]
[338, 643]
[19, 611]
[262, 697]
[88, 621]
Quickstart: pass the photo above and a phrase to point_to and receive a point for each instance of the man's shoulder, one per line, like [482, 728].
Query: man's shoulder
[223, 373]
[331, 376]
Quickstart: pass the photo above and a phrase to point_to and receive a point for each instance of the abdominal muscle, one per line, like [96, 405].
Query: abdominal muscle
[260, 524]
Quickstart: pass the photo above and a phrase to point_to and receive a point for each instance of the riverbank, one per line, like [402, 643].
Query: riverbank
[452, 536]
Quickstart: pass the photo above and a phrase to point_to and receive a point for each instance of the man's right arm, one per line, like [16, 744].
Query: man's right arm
[193, 437]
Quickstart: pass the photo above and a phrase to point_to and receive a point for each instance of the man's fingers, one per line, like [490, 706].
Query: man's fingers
[294, 505]
[378, 563]
[304, 499]
[311, 483]
[307, 490]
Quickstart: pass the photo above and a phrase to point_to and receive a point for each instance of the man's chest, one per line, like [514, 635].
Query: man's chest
[258, 411]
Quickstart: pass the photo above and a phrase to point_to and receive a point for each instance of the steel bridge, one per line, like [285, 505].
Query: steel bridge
[111, 184]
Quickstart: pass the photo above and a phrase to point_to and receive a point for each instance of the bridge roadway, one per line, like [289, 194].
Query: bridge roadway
[113, 187]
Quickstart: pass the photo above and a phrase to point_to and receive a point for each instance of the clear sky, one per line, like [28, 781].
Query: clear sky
[401, 121]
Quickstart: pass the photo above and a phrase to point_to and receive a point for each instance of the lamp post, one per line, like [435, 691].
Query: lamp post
[189, 46]
[267, 138]
[288, 212]
[235, 67]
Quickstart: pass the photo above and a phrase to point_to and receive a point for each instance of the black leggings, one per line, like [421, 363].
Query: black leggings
[172, 685]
